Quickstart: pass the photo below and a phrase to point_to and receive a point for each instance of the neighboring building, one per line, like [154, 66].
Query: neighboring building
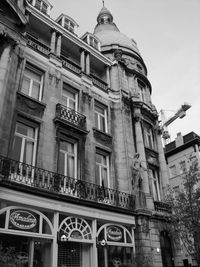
[82, 168]
[179, 156]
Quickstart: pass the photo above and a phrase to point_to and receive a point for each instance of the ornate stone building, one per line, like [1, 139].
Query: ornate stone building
[82, 168]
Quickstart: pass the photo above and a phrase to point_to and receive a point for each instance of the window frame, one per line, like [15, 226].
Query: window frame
[142, 90]
[155, 184]
[100, 115]
[172, 174]
[34, 140]
[66, 154]
[66, 99]
[102, 166]
[34, 70]
[149, 139]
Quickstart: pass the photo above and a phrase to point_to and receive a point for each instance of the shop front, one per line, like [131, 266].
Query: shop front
[25, 238]
[58, 238]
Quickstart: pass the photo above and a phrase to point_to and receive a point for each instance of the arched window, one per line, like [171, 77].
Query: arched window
[115, 246]
[20, 219]
[73, 228]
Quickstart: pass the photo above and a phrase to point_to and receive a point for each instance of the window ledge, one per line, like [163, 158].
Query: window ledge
[30, 105]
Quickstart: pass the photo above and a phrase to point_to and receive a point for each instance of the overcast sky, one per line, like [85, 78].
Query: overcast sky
[168, 36]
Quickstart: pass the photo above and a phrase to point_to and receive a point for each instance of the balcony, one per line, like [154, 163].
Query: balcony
[70, 65]
[37, 45]
[32, 179]
[162, 207]
[99, 83]
[71, 117]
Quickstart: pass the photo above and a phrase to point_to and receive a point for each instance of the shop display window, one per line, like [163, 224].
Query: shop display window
[115, 246]
[22, 251]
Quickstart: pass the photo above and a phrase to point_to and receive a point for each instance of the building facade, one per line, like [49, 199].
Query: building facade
[82, 168]
[179, 156]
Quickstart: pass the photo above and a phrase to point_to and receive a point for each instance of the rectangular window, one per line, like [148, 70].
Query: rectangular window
[176, 191]
[25, 142]
[32, 83]
[101, 117]
[68, 158]
[173, 171]
[155, 184]
[148, 136]
[69, 25]
[183, 167]
[38, 4]
[70, 97]
[102, 168]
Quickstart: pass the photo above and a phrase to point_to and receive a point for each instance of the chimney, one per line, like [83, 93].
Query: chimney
[179, 139]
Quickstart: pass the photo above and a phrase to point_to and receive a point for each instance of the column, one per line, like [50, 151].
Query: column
[87, 64]
[162, 162]
[53, 41]
[82, 60]
[58, 47]
[140, 149]
[54, 248]
[108, 75]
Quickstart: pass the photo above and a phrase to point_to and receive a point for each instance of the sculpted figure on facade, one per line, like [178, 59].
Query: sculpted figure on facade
[137, 172]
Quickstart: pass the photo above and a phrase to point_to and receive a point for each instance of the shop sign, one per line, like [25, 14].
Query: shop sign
[114, 233]
[23, 219]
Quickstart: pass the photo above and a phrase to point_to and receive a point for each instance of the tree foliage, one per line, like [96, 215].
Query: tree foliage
[186, 210]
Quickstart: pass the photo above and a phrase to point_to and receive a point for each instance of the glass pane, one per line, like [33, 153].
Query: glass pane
[115, 256]
[14, 251]
[102, 123]
[99, 110]
[72, 104]
[61, 163]
[96, 120]
[104, 174]
[17, 148]
[28, 152]
[98, 158]
[70, 166]
[25, 130]
[42, 250]
[69, 94]
[66, 146]
[35, 90]
[97, 174]
[26, 85]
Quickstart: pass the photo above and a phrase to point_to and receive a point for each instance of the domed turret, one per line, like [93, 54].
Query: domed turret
[109, 34]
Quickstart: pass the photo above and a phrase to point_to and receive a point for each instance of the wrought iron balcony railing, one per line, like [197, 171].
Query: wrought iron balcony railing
[70, 115]
[162, 207]
[38, 45]
[14, 173]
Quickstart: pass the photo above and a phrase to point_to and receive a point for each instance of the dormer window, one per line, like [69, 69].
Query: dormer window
[67, 23]
[91, 40]
[42, 5]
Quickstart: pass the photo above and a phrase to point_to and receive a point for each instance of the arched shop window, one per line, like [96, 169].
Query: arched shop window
[115, 246]
[19, 219]
[25, 237]
[74, 243]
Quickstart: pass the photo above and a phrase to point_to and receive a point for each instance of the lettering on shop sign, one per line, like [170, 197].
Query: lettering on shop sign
[114, 233]
[23, 219]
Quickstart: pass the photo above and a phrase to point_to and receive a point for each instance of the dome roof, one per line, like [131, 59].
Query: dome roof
[108, 33]
[110, 37]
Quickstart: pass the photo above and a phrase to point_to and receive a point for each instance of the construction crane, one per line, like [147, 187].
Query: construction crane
[180, 113]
